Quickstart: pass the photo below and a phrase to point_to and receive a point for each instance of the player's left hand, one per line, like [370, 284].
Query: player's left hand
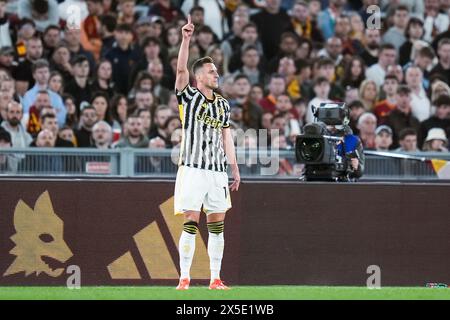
[236, 177]
[355, 163]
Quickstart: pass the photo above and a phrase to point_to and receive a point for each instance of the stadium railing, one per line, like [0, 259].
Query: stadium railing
[254, 164]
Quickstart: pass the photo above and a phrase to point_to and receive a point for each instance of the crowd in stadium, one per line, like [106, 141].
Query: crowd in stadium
[108, 82]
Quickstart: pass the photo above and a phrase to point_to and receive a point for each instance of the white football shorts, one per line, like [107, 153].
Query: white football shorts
[195, 187]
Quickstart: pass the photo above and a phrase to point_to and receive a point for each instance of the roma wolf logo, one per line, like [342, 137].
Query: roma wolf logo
[39, 239]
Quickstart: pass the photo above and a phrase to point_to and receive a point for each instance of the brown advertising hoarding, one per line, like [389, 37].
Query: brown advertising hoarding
[122, 232]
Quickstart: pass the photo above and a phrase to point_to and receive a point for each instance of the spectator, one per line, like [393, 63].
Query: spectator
[165, 9]
[88, 118]
[368, 94]
[103, 80]
[161, 114]
[301, 84]
[48, 163]
[6, 96]
[146, 118]
[215, 52]
[122, 57]
[436, 141]
[443, 67]
[277, 85]
[155, 69]
[354, 73]
[20, 138]
[45, 139]
[60, 61]
[51, 38]
[384, 107]
[326, 68]
[407, 140]
[435, 22]
[232, 42]
[72, 39]
[7, 58]
[64, 12]
[26, 31]
[41, 75]
[66, 133]
[172, 39]
[351, 94]
[377, 72]
[108, 25]
[251, 65]
[327, 17]
[396, 70]
[289, 43]
[127, 12]
[49, 122]
[396, 34]
[424, 60]
[119, 109]
[414, 33]
[367, 123]
[343, 30]
[303, 24]
[371, 48]
[55, 83]
[271, 22]
[172, 123]
[43, 12]
[333, 50]
[251, 113]
[250, 38]
[34, 114]
[71, 109]
[212, 15]
[8, 162]
[100, 102]
[322, 91]
[144, 82]
[79, 86]
[401, 117]
[421, 106]
[23, 73]
[134, 134]
[356, 109]
[204, 38]
[5, 26]
[439, 88]
[383, 138]
[440, 118]
[102, 135]
[152, 52]
[144, 100]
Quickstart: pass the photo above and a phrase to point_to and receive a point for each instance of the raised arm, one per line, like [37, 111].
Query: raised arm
[182, 79]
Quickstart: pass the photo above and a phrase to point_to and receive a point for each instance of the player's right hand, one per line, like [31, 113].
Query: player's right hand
[188, 29]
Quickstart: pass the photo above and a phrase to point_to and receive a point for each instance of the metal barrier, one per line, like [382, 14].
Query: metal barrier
[254, 164]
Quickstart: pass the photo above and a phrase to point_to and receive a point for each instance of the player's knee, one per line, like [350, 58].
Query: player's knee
[190, 227]
[215, 227]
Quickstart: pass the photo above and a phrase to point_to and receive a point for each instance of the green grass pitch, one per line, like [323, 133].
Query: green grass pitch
[236, 293]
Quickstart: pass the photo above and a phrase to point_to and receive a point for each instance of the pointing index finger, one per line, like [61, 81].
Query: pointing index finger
[189, 19]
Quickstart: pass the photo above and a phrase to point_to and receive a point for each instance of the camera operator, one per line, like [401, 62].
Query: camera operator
[353, 156]
[328, 148]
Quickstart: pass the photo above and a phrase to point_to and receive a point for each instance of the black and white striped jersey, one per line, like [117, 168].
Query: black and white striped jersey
[202, 121]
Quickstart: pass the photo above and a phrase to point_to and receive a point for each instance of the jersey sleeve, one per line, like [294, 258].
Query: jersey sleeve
[227, 113]
[185, 95]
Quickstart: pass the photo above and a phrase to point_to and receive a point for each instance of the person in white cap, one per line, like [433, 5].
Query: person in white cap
[436, 141]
